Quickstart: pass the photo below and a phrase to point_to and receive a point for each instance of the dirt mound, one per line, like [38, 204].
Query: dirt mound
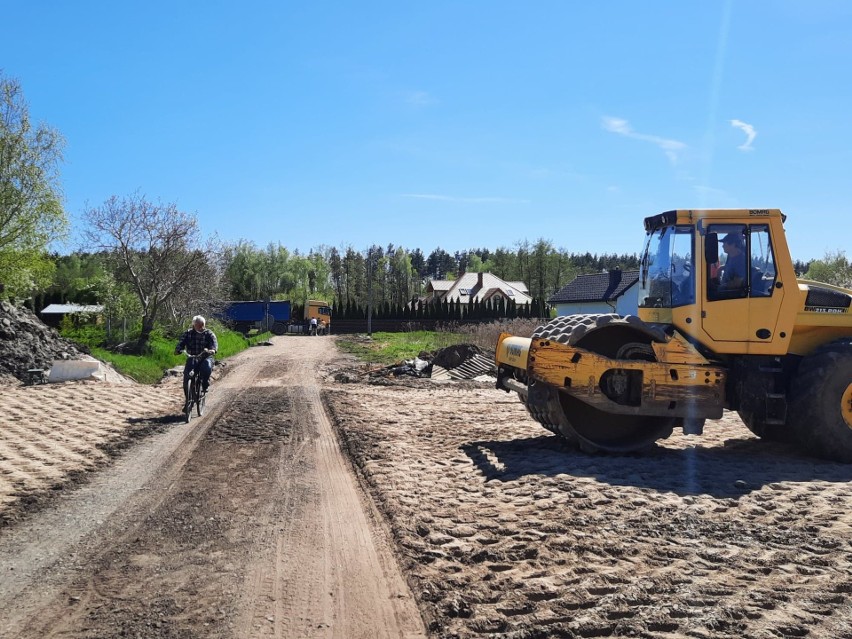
[26, 342]
[454, 356]
[463, 361]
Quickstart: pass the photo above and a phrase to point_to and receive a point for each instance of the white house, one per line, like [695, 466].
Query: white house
[473, 287]
[612, 292]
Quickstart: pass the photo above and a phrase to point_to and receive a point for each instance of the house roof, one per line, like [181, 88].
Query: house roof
[470, 288]
[597, 287]
[439, 285]
[64, 309]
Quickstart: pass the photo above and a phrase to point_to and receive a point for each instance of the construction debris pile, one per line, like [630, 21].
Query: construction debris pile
[26, 343]
[461, 361]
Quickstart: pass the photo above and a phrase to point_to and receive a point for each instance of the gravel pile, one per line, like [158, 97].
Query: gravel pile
[26, 342]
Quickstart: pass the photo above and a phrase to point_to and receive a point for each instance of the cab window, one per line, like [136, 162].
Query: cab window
[666, 276]
[746, 266]
[683, 279]
[728, 278]
[763, 272]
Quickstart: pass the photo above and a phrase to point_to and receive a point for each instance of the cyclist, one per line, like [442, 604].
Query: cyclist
[198, 340]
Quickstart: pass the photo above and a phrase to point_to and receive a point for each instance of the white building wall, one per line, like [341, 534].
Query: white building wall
[575, 308]
[628, 304]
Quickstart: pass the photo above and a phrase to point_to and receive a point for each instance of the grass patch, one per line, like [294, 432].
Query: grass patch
[145, 370]
[391, 348]
[257, 338]
[149, 368]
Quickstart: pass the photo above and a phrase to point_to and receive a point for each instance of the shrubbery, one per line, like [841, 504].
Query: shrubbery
[149, 368]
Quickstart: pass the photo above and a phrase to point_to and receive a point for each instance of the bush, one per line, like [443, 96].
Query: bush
[90, 335]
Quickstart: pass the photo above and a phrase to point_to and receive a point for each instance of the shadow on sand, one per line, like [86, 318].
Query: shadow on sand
[733, 470]
[161, 420]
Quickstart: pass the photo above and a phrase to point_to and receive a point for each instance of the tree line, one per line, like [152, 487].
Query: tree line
[147, 260]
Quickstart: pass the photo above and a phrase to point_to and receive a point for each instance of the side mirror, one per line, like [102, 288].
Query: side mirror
[711, 248]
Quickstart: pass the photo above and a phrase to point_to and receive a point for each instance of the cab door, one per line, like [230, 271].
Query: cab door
[724, 317]
[765, 294]
[746, 313]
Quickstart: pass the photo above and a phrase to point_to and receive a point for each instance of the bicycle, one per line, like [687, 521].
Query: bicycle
[195, 397]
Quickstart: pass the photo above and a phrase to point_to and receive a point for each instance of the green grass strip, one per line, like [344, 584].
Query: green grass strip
[391, 348]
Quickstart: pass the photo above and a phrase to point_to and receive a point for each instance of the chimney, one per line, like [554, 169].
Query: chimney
[479, 280]
[614, 277]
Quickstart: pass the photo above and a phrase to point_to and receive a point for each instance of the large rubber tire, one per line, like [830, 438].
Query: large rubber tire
[767, 432]
[592, 429]
[820, 407]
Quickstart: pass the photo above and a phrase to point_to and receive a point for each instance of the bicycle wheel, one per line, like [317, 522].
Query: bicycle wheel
[187, 406]
[200, 397]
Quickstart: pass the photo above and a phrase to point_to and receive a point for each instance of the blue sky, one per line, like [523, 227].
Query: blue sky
[451, 124]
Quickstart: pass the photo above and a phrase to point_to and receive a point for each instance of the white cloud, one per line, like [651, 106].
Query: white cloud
[750, 134]
[616, 125]
[671, 148]
[464, 200]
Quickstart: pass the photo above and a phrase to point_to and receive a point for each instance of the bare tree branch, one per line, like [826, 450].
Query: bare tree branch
[156, 249]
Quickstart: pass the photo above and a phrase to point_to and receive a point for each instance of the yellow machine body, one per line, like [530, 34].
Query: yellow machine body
[722, 322]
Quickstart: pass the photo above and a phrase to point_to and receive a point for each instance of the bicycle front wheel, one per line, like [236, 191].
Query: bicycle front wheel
[187, 409]
[197, 397]
[202, 398]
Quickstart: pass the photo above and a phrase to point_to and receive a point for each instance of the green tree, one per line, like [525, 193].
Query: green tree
[31, 214]
[402, 277]
[120, 306]
[834, 269]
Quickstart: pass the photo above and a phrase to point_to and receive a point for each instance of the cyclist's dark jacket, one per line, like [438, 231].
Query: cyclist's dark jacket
[195, 342]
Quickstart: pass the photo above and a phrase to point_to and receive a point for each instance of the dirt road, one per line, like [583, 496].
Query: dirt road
[246, 523]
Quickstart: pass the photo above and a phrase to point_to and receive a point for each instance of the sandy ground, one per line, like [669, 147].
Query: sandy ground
[50, 435]
[505, 533]
[300, 506]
